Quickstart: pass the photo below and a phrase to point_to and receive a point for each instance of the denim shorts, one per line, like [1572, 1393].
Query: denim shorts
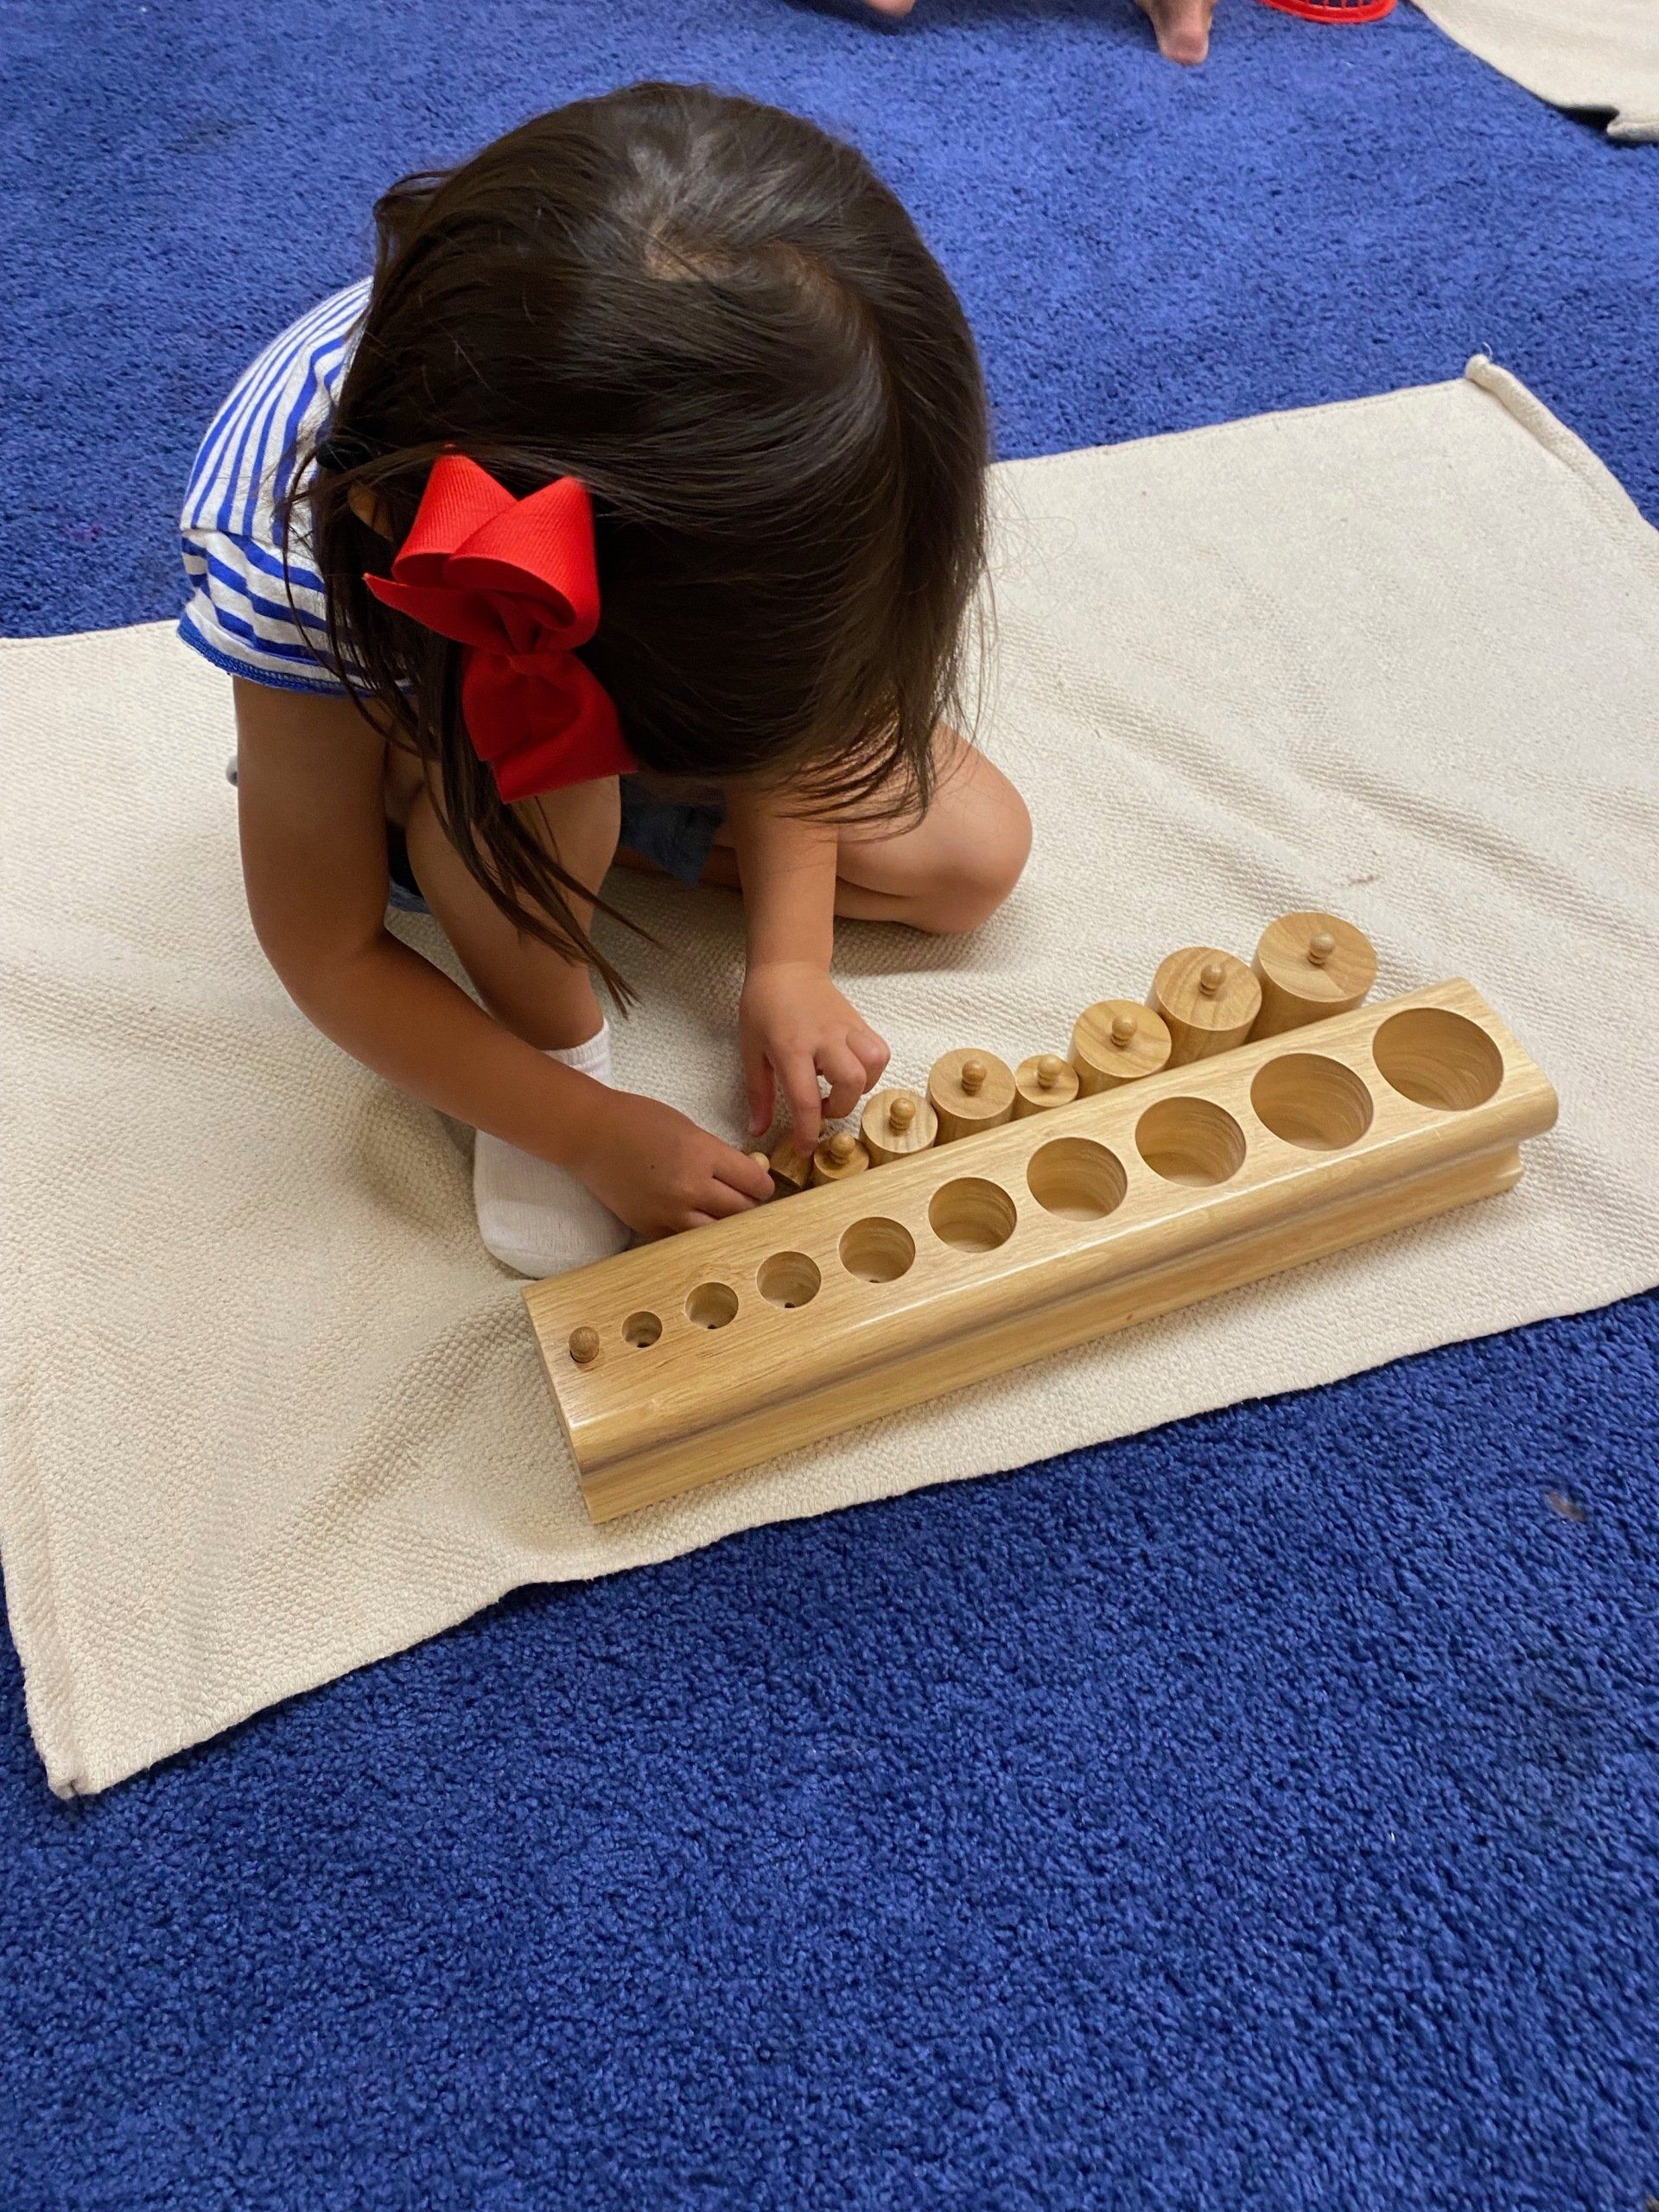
[674, 835]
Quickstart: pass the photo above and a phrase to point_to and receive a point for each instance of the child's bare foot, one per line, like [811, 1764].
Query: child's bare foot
[1183, 26]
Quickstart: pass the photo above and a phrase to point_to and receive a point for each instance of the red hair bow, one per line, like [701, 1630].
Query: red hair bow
[514, 582]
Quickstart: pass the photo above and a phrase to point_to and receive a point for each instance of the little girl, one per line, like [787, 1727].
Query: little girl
[631, 512]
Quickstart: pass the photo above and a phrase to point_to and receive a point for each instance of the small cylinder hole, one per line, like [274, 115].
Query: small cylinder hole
[1438, 1058]
[641, 1330]
[1312, 1101]
[878, 1250]
[1190, 1140]
[1077, 1179]
[788, 1279]
[711, 1306]
[972, 1215]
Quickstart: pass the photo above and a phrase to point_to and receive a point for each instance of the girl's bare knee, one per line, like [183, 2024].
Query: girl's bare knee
[981, 874]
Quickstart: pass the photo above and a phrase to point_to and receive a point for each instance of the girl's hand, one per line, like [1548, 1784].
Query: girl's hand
[793, 1026]
[658, 1171]
[1183, 26]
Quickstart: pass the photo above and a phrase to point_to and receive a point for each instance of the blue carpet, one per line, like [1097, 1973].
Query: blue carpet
[1260, 1813]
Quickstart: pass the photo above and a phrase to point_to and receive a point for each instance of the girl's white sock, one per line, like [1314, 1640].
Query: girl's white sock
[533, 1216]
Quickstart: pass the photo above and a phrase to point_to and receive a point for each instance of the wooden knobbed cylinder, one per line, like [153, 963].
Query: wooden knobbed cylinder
[896, 1123]
[1117, 1041]
[1308, 966]
[1043, 1081]
[1208, 1000]
[837, 1156]
[789, 1166]
[971, 1090]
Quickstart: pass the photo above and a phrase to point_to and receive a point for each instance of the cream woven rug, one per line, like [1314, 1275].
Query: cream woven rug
[1600, 55]
[269, 1412]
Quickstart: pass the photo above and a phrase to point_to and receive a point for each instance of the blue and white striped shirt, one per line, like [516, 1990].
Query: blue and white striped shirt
[241, 572]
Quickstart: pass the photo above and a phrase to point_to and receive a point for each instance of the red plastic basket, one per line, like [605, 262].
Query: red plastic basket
[1333, 11]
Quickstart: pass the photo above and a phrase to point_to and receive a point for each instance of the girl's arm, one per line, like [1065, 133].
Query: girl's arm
[310, 793]
[793, 1024]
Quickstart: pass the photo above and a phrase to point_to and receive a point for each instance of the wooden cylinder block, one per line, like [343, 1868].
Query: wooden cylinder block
[790, 1167]
[971, 1090]
[1308, 966]
[837, 1156]
[1117, 1041]
[895, 1123]
[1208, 999]
[1044, 1081]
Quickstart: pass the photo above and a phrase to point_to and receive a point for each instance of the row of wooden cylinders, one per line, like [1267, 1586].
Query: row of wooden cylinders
[1202, 1002]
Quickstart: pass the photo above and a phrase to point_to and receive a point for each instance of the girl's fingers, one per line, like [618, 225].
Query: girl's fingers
[758, 1084]
[872, 1051]
[737, 1172]
[843, 1071]
[720, 1199]
[801, 1095]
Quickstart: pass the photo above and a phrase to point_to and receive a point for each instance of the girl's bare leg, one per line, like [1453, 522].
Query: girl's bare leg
[535, 1217]
[945, 874]
[529, 988]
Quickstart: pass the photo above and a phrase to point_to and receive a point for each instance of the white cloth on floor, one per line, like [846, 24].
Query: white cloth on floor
[1598, 55]
[270, 1410]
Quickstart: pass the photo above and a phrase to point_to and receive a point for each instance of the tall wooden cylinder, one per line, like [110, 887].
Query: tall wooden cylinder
[837, 1156]
[1042, 1082]
[1115, 1042]
[1208, 999]
[1309, 966]
[790, 1167]
[971, 1090]
[895, 1123]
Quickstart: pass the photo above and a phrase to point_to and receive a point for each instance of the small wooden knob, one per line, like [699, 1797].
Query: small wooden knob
[1320, 947]
[1212, 977]
[760, 1159]
[973, 1077]
[1048, 1070]
[902, 1112]
[584, 1346]
[1124, 1027]
[841, 1147]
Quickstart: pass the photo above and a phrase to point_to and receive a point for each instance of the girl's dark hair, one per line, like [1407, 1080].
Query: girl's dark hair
[722, 322]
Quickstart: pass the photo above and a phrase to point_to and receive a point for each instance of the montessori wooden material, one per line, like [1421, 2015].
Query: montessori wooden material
[1310, 966]
[895, 1123]
[1117, 1041]
[792, 1168]
[684, 1360]
[1042, 1082]
[837, 1156]
[1208, 1000]
[970, 1092]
